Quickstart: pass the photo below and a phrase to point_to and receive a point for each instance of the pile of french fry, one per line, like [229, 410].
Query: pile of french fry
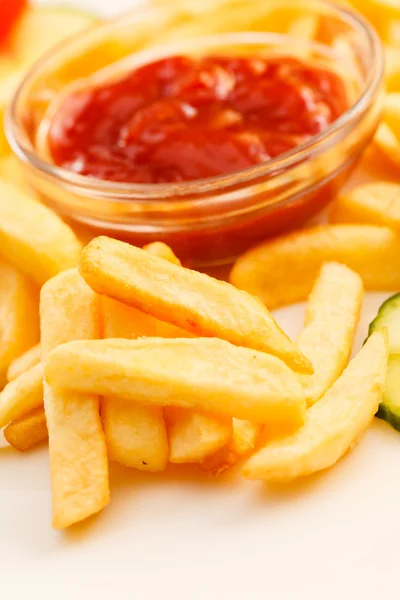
[144, 362]
[114, 353]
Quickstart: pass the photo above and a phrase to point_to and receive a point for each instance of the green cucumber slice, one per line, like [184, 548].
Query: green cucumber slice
[389, 316]
[389, 408]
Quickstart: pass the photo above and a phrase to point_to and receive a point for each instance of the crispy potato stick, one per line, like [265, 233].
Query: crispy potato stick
[205, 374]
[245, 436]
[387, 143]
[19, 316]
[25, 361]
[136, 435]
[162, 251]
[391, 112]
[331, 319]
[21, 395]
[28, 431]
[120, 320]
[33, 237]
[392, 68]
[377, 203]
[194, 435]
[283, 270]
[191, 300]
[12, 171]
[69, 310]
[334, 425]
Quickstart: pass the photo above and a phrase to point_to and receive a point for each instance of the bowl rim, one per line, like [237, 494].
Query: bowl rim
[179, 191]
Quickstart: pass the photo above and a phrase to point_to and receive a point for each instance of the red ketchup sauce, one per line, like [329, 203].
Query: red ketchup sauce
[181, 118]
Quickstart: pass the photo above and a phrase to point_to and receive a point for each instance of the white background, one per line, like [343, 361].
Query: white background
[182, 536]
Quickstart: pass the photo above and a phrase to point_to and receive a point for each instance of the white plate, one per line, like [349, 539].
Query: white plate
[183, 536]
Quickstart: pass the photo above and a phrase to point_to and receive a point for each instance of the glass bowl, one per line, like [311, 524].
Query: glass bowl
[208, 221]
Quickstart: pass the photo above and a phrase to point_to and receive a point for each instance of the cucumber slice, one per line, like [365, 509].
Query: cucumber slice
[389, 316]
[389, 408]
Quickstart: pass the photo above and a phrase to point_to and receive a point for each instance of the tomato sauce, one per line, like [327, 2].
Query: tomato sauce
[182, 119]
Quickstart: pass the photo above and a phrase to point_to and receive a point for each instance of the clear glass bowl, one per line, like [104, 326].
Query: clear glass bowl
[208, 221]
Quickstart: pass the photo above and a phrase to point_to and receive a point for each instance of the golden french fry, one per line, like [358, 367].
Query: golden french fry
[334, 425]
[245, 436]
[11, 75]
[19, 316]
[331, 319]
[25, 361]
[136, 435]
[282, 271]
[188, 299]
[392, 68]
[377, 203]
[391, 112]
[304, 27]
[204, 374]
[42, 27]
[121, 320]
[33, 237]
[21, 395]
[162, 251]
[28, 431]
[70, 310]
[11, 171]
[194, 436]
[387, 144]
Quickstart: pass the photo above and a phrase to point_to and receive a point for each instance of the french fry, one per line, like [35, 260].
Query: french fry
[334, 425]
[11, 171]
[33, 237]
[245, 436]
[19, 316]
[25, 361]
[392, 68]
[69, 310]
[282, 271]
[331, 319]
[391, 112]
[28, 431]
[21, 395]
[136, 435]
[204, 374]
[121, 320]
[387, 144]
[188, 299]
[376, 203]
[193, 435]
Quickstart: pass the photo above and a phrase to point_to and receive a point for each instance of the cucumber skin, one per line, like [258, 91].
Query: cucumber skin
[385, 412]
[390, 416]
[375, 323]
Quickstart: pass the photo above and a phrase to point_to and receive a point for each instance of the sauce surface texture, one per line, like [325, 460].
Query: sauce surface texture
[181, 118]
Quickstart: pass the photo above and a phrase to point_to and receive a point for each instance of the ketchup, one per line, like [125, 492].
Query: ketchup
[181, 118]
